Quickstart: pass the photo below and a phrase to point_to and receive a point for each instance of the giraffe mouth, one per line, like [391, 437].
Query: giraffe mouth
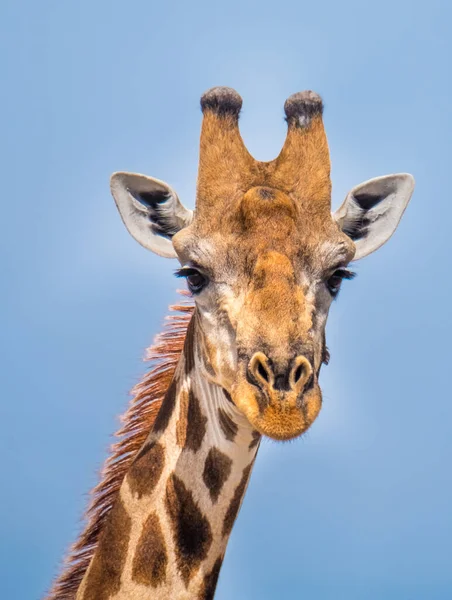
[281, 416]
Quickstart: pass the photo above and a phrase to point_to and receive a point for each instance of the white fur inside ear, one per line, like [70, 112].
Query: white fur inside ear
[372, 210]
[150, 210]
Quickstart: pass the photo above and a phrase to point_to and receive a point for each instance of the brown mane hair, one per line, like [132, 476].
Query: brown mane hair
[137, 422]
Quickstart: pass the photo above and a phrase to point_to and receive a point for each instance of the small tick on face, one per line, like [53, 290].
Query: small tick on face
[266, 193]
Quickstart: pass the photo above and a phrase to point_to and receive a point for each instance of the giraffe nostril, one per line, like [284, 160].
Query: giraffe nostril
[301, 373]
[262, 371]
[298, 373]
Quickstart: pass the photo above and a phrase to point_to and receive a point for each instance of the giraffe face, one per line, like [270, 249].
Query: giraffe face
[263, 255]
[263, 284]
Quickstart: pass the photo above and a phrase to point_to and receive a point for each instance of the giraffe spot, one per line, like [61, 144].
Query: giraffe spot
[104, 576]
[189, 347]
[192, 534]
[231, 513]
[196, 424]
[256, 438]
[151, 559]
[228, 396]
[228, 427]
[181, 425]
[146, 469]
[210, 581]
[167, 408]
[217, 469]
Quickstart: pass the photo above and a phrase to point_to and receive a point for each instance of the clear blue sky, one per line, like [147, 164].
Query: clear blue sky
[361, 507]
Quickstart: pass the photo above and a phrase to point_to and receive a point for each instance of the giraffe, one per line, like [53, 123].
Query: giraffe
[263, 257]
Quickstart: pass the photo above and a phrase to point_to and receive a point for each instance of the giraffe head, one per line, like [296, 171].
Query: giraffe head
[263, 255]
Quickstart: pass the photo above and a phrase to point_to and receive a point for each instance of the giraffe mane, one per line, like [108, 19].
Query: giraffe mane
[136, 422]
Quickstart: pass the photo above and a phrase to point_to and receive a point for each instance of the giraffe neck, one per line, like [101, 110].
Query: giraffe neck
[168, 530]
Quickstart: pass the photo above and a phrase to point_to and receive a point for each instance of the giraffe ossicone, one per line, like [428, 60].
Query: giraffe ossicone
[264, 258]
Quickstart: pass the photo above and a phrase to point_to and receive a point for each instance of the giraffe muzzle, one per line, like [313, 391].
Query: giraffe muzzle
[281, 400]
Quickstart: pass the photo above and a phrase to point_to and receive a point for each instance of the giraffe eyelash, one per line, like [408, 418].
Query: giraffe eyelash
[345, 274]
[335, 280]
[185, 272]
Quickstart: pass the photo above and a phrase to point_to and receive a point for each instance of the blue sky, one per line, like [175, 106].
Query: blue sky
[360, 508]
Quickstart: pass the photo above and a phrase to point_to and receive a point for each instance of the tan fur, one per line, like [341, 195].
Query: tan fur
[301, 170]
[181, 428]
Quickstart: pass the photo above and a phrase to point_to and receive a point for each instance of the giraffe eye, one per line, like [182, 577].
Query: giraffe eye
[196, 281]
[335, 280]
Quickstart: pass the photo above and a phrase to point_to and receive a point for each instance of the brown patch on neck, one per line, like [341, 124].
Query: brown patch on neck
[192, 534]
[196, 423]
[228, 427]
[189, 347]
[104, 577]
[191, 425]
[210, 581]
[166, 410]
[231, 513]
[256, 439]
[137, 423]
[217, 469]
[150, 560]
[228, 396]
[146, 469]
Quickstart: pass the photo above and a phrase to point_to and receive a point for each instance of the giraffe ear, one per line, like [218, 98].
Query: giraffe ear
[151, 211]
[372, 210]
